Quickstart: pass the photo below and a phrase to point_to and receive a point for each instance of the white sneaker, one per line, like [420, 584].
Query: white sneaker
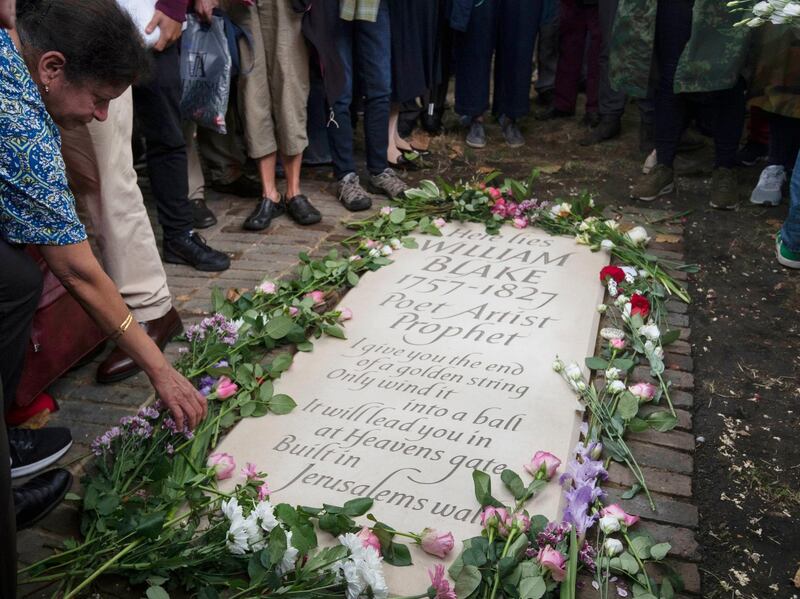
[649, 163]
[768, 191]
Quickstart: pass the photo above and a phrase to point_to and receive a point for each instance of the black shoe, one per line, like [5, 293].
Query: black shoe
[264, 212]
[607, 128]
[192, 250]
[34, 450]
[751, 153]
[302, 212]
[590, 119]
[242, 187]
[39, 496]
[544, 97]
[201, 215]
[552, 112]
[432, 123]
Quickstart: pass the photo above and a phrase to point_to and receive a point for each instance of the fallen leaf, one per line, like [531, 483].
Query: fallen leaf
[233, 294]
[183, 298]
[549, 169]
[667, 238]
[796, 579]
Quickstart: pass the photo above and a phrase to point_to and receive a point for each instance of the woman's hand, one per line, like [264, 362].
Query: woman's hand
[205, 9]
[170, 30]
[186, 403]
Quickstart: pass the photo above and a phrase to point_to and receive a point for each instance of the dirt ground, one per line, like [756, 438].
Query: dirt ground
[745, 320]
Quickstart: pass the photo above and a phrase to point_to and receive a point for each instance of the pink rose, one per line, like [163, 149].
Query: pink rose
[439, 223]
[346, 314]
[293, 311]
[226, 387]
[223, 465]
[551, 559]
[437, 543]
[316, 296]
[520, 222]
[543, 465]
[250, 471]
[494, 193]
[387, 210]
[521, 521]
[491, 517]
[617, 343]
[267, 287]
[643, 391]
[263, 492]
[369, 539]
[617, 512]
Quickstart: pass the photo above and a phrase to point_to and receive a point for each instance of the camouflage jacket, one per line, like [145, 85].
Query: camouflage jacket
[712, 60]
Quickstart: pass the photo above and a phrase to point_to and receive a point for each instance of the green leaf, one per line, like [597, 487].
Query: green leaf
[532, 588]
[514, 483]
[467, 581]
[277, 545]
[217, 299]
[157, 592]
[628, 406]
[265, 391]
[305, 346]
[279, 327]
[483, 489]
[281, 363]
[281, 404]
[247, 410]
[667, 592]
[352, 278]
[150, 525]
[107, 505]
[72, 497]
[596, 363]
[670, 337]
[397, 554]
[255, 569]
[632, 492]
[357, 507]
[637, 425]
[397, 216]
[334, 330]
[640, 546]
[624, 364]
[660, 551]
[662, 421]
[629, 563]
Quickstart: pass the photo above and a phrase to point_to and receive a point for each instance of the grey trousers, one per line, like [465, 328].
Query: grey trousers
[611, 102]
[547, 55]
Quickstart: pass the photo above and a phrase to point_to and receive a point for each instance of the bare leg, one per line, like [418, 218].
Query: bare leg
[292, 166]
[266, 171]
[392, 153]
[394, 135]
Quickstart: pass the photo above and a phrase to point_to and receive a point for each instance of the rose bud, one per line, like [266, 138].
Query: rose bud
[617, 512]
[436, 543]
[223, 465]
[369, 539]
[543, 465]
[552, 559]
[612, 547]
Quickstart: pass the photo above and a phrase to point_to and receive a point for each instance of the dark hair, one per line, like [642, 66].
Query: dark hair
[97, 38]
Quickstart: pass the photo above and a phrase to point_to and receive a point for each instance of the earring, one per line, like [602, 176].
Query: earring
[46, 88]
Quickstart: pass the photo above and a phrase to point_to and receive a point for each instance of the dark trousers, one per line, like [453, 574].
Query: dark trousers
[507, 29]
[365, 49]
[156, 104]
[575, 23]
[612, 102]
[725, 108]
[784, 140]
[20, 289]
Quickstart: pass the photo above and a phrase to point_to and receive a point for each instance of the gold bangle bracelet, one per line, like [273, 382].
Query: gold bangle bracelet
[123, 327]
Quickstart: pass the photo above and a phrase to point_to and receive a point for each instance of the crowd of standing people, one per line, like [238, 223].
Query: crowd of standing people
[87, 87]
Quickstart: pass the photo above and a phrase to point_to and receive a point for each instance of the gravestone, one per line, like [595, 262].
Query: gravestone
[447, 368]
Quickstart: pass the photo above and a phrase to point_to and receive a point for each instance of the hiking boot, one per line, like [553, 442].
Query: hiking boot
[352, 195]
[724, 189]
[787, 257]
[511, 132]
[389, 184]
[476, 138]
[751, 152]
[658, 182]
[692, 165]
[607, 128]
[768, 191]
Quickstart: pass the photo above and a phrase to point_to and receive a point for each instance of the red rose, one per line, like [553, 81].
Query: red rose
[612, 272]
[640, 305]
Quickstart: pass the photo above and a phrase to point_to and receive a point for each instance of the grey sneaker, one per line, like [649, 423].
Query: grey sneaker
[476, 138]
[768, 192]
[511, 132]
[389, 184]
[724, 189]
[658, 182]
[352, 195]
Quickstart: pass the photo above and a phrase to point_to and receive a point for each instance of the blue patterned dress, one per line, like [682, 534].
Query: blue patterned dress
[36, 205]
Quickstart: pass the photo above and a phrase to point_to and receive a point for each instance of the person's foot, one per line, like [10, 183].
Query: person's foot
[261, 217]
[544, 97]
[201, 215]
[590, 119]
[786, 257]
[608, 128]
[39, 496]
[658, 182]
[389, 184]
[432, 123]
[751, 152]
[352, 195]
[476, 136]
[302, 211]
[511, 132]
[193, 251]
[244, 187]
[692, 165]
[551, 112]
[724, 189]
[34, 450]
[769, 190]
[119, 366]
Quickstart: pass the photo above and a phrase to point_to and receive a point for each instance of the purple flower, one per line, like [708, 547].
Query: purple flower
[225, 330]
[577, 511]
[587, 555]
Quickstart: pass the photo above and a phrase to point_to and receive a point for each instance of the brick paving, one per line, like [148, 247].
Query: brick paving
[89, 409]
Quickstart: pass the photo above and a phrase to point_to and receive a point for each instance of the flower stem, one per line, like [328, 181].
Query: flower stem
[103, 568]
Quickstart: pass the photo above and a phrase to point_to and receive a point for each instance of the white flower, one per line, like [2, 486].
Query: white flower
[265, 516]
[582, 239]
[650, 332]
[612, 374]
[238, 538]
[601, 308]
[584, 226]
[612, 224]
[386, 250]
[616, 387]
[395, 243]
[354, 257]
[374, 252]
[561, 210]
[792, 9]
[609, 524]
[591, 202]
[232, 509]
[573, 371]
[755, 22]
[289, 556]
[626, 310]
[612, 288]
[580, 386]
[609, 333]
[630, 273]
[638, 235]
[558, 365]
[761, 9]
[777, 19]
[362, 569]
[255, 539]
[607, 245]
[612, 547]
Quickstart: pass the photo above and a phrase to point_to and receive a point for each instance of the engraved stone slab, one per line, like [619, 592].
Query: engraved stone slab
[447, 368]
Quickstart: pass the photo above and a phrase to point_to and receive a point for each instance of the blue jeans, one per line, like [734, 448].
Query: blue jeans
[790, 232]
[368, 46]
[506, 28]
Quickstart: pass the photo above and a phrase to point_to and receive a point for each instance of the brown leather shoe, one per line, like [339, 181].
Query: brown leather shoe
[119, 366]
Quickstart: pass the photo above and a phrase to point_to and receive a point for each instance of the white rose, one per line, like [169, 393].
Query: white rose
[386, 250]
[612, 374]
[601, 308]
[650, 332]
[622, 300]
[638, 235]
[761, 9]
[580, 386]
[558, 365]
[616, 387]
[607, 245]
[612, 547]
[395, 243]
[573, 371]
[792, 9]
[609, 524]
